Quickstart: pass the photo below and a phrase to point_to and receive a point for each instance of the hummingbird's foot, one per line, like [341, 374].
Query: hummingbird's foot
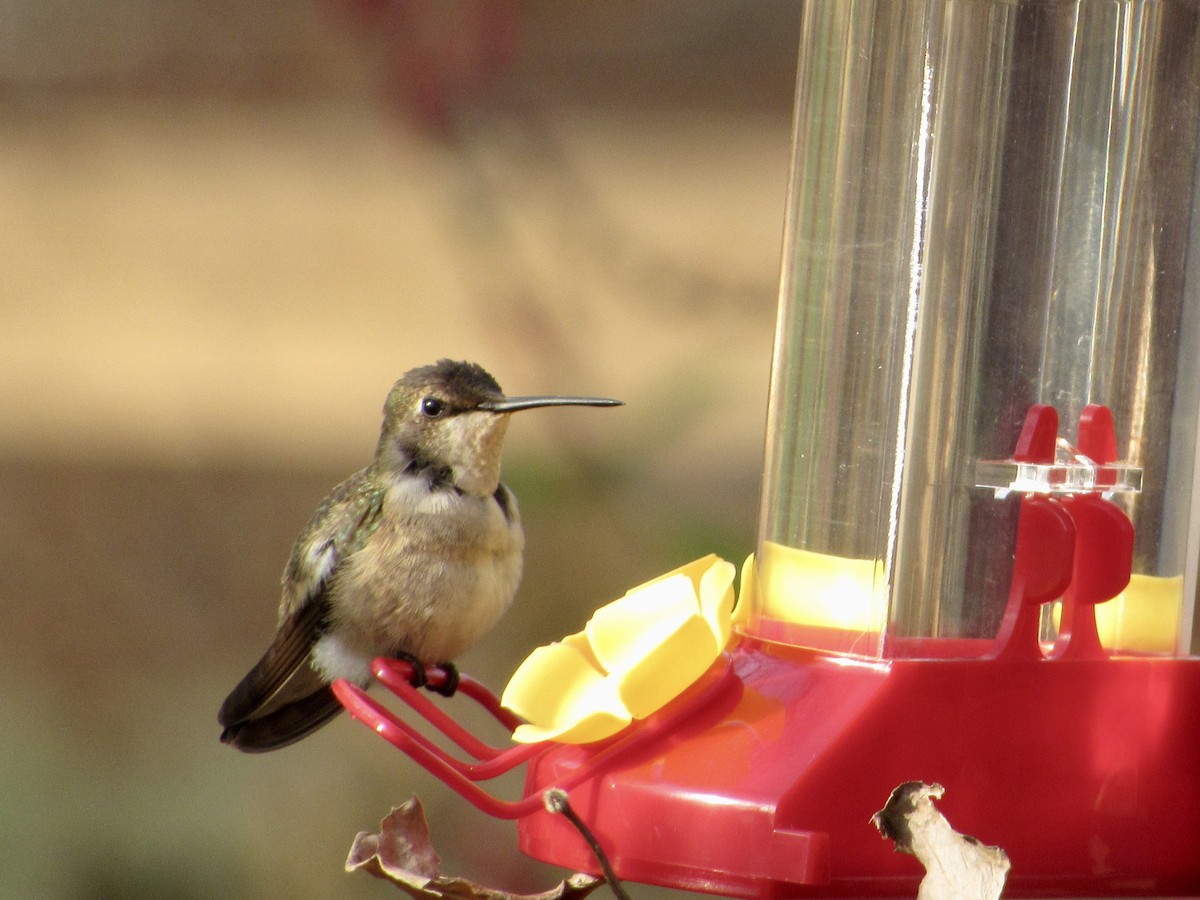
[450, 685]
[418, 678]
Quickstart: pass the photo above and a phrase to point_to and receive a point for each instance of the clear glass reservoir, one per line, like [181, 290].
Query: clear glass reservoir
[992, 205]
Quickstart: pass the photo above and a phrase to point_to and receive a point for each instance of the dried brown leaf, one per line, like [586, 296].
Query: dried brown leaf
[957, 866]
[402, 853]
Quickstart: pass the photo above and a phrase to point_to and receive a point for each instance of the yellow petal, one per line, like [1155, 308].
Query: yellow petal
[693, 570]
[594, 726]
[625, 630]
[669, 669]
[552, 685]
[745, 597]
[580, 642]
[716, 599]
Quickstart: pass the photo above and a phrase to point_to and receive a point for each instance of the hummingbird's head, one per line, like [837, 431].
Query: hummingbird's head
[453, 416]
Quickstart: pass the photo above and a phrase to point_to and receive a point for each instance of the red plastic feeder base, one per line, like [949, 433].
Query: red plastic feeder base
[1087, 772]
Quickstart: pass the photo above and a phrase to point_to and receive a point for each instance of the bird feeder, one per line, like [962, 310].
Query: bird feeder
[980, 522]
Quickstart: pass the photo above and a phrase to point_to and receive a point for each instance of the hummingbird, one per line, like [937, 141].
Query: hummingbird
[415, 556]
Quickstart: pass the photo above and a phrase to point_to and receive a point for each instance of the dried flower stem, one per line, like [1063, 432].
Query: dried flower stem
[557, 802]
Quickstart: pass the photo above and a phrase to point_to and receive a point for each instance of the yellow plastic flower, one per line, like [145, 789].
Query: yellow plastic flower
[633, 656]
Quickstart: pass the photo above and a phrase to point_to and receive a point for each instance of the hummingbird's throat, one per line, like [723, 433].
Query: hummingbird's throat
[473, 445]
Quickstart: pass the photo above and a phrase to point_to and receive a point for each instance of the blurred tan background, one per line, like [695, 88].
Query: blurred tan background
[226, 230]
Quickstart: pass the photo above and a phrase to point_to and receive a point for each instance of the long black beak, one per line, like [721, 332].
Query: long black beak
[515, 404]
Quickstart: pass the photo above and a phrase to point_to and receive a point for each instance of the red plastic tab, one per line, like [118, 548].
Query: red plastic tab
[1038, 435]
[1103, 563]
[1041, 572]
[1097, 436]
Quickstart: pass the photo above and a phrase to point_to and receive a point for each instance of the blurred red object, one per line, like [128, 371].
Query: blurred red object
[438, 59]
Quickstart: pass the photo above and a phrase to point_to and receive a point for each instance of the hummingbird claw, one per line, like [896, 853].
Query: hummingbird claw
[449, 685]
[418, 678]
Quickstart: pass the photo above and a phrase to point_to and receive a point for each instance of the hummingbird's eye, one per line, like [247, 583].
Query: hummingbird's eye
[432, 407]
